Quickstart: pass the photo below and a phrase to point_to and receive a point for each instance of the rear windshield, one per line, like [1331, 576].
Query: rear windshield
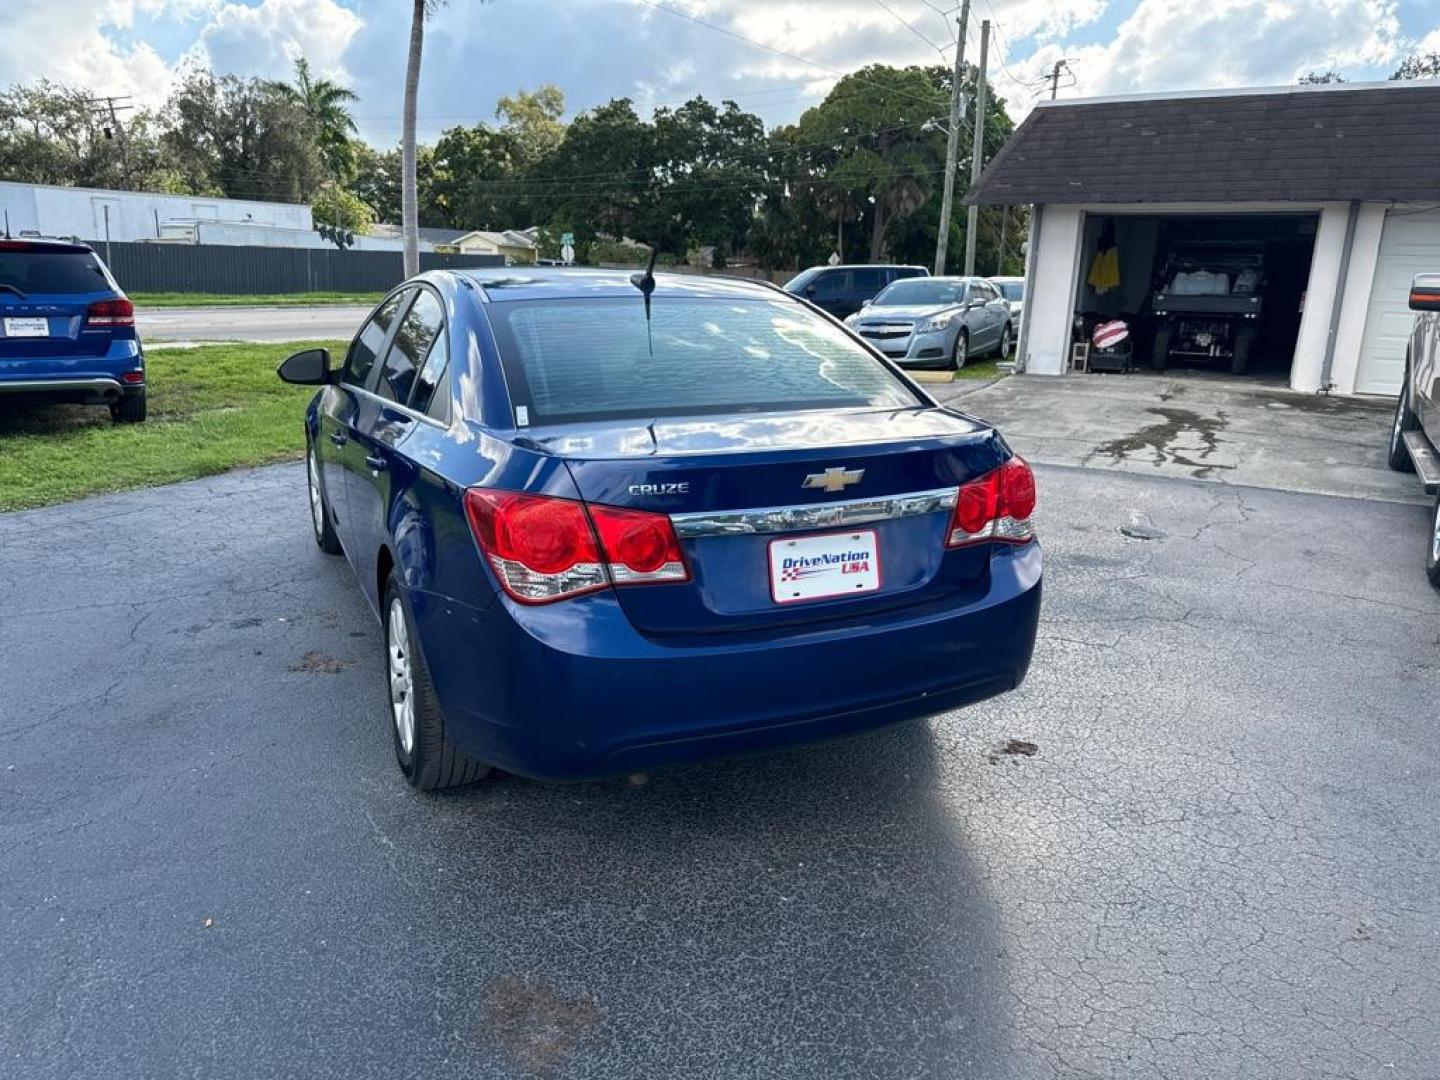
[579, 359]
[52, 272]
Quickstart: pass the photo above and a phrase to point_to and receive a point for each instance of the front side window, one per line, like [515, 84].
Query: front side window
[831, 284]
[366, 346]
[582, 359]
[418, 330]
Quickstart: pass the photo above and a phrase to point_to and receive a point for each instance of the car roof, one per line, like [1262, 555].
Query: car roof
[1007, 280]
[20, 243]
[501, 284]
[866, 266]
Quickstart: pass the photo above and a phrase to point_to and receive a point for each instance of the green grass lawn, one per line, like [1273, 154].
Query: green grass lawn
[979, 369]
[163, 300]
[212, 408]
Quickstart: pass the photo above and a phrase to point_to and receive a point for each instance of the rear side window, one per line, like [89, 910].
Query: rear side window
[579, 359]
[831, 284]
[432, 385]
[368, 342]
[907, 271]
[417, 333]
[36, 272]
[868, 282]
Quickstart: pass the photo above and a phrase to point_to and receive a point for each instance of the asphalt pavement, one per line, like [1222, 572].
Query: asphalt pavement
[281, 323]
[1218, 861]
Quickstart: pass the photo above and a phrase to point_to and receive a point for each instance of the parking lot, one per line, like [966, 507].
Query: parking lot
[1199, 841]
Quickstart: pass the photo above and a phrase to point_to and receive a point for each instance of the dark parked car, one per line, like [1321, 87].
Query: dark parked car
[1415, 435]
[610, 523]
[67, 332]
[841, 290]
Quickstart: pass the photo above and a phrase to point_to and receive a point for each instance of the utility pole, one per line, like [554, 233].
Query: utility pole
[1055, 77]
[952, 143]
[115, 130]
[977, 153]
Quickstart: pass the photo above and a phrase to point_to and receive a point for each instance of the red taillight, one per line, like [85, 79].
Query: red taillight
[639, 546]
[544, 548]
[104, 314]
[997, 506]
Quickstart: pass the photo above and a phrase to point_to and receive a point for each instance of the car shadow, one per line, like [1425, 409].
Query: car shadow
[814, 912]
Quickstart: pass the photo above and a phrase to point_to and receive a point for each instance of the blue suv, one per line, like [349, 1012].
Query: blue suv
[67, 331]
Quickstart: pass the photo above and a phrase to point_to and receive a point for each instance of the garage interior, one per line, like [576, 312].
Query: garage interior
[1148, 252]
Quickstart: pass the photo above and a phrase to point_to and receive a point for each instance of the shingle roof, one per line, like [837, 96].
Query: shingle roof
[1300, 144]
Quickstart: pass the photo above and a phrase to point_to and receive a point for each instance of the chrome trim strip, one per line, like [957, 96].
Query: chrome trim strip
[780, 519]
[25, 386]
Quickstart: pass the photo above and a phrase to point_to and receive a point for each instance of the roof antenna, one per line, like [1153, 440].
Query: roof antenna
[646, 284]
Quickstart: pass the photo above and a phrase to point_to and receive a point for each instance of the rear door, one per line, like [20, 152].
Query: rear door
[865, 284]
[45, 290]
[767, 434]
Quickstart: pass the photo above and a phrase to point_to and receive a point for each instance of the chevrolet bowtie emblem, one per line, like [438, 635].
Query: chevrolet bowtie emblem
[834, 479]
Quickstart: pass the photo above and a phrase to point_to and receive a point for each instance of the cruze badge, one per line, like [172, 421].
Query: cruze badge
[682, 488]
[833, 479]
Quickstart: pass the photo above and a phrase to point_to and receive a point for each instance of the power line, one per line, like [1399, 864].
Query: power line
[908, 26]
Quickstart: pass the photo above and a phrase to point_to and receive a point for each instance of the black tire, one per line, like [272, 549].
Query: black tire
[432, 761]
[1240, 358]
[320, 516]
[1002, 350]
[129, 409]
[1160, 352]
[1432, 547]
[960, 352]
[1405, 420]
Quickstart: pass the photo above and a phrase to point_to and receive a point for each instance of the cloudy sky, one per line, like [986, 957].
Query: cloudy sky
[598, 49]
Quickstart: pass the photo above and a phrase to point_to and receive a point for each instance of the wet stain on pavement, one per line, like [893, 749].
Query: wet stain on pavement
[1160, 439]
[539, 1028]
[319, 663]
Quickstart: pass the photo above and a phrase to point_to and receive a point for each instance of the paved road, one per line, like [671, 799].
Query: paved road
[1222, 861]
[294, 323]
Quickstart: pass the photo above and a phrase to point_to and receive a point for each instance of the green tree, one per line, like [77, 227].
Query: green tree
[333, 205]
[467, 163]
[243, 137]
[326, 105]
[532, 121]
[1419, 66]
[1321, 77]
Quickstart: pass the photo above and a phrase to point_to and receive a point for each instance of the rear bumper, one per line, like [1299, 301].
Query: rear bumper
[577, 693]
[84, 379]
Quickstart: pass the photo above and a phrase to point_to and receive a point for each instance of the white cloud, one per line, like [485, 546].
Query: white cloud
[265, 39]
[81, 50]
[1228, 43]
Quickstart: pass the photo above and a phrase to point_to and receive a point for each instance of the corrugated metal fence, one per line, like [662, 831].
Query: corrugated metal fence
[216, 268]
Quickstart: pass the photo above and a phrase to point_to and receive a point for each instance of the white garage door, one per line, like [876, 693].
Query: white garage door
[1409, 245]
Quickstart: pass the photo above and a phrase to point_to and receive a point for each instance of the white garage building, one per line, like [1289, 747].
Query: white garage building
[1337, 188]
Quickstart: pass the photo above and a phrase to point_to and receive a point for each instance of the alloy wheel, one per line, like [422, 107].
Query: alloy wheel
[1005, 342]
[962, 349]
[317, 501]
[402, 681]
[1435, 536]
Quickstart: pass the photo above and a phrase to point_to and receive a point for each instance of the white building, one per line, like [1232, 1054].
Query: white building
[1337, 187]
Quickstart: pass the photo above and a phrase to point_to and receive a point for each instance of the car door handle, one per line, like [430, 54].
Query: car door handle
[375, 461]
[339, 438]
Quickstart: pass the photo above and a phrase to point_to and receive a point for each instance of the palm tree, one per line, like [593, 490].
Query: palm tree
[325, 104]
[409, 204]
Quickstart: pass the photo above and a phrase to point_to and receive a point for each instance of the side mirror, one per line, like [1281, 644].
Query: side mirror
[866, 303]
[308, 368]
[1425, 293]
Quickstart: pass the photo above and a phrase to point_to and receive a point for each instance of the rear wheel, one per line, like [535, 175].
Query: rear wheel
[1160, 353]
[1240, 358]
[427, 757]
[1004, 342]
[1405, 420]
[961, 351]
[129, 409]
[325, 537]
[1432, 556]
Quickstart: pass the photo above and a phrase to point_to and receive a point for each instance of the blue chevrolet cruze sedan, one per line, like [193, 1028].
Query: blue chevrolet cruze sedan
[611, 522]
[67, 331]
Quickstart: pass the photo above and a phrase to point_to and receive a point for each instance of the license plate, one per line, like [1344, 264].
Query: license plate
[815, 567]
[27, 327]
